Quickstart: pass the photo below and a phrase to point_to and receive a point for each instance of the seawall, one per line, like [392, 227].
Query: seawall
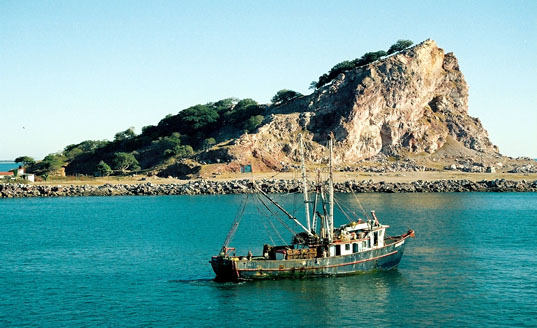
[208, 187]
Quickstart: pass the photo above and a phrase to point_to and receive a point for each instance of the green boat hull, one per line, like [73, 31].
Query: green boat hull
[379, 259]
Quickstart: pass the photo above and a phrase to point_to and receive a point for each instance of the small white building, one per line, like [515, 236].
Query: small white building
[21, 172]
[28, 176]
[17, 173]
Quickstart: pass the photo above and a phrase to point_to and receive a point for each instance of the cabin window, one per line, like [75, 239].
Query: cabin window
[355, 248]
[347, 247]
[376, 238]
[338, 250]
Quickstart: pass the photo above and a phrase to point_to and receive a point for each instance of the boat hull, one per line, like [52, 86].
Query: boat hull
[379, 259]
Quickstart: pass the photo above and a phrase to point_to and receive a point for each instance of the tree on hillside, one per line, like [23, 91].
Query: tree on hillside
[242, 111]
[103, 169]
[399, 45]
[25, 160]
[208, 143]
[168, 142]
[74, 150]
[53, 162]
[124, 161]
[125, 135]
[283, 96]
[198, 117]
[179, 151]
[366, 58]
[369, 57]
[253, 122]
[225, 104]
[346, 65]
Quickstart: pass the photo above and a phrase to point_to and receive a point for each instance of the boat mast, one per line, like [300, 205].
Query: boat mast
[314, 214]
[305, 185]
[330, 193]
[324, 218]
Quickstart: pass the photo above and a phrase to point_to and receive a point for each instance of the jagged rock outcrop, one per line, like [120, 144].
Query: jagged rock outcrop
[410, 102]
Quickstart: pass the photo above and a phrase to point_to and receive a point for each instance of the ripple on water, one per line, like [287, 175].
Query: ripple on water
[143, 261]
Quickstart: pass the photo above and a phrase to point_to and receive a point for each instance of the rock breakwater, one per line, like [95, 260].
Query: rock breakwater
[207, 187]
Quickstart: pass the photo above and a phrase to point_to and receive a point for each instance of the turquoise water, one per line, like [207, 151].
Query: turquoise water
[143, 261]
[6, 166]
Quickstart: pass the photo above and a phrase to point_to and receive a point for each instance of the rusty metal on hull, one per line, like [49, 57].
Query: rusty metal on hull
[379, 259]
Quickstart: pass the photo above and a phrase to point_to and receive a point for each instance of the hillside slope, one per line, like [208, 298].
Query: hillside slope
[411, 105]
[408, 103]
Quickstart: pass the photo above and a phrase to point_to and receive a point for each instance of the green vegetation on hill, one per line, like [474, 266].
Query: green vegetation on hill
[284, 96]
[367, 58]
[25, 160]
[191, 131]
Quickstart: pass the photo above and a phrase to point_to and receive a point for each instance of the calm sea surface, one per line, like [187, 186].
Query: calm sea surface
[6, 166]
[143, 261]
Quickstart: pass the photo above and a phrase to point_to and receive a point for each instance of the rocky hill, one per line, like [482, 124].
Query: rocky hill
[407, 111]
[413, 102]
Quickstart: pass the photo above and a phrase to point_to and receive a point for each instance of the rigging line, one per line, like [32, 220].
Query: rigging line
[264, 221]
[271, 224]
[236, 221]
[275, 215]
[347, 209]
[277, 234]
[356, 199]
[350, 210]
[359, 203]
[342, 210]
[267, 230]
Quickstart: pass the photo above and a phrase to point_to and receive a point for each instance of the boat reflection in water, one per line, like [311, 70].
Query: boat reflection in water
[338, 301]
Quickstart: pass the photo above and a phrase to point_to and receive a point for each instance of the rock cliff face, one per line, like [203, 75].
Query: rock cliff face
[410, 102]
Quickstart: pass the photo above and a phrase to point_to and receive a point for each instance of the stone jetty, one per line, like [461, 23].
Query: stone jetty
[209, 187]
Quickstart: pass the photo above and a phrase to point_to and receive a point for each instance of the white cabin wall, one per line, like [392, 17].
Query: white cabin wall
[381, 237]
[344, 250]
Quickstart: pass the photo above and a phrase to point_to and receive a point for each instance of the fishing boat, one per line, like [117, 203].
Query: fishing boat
[320, 249]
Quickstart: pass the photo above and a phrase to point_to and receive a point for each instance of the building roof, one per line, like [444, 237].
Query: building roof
[6, 173]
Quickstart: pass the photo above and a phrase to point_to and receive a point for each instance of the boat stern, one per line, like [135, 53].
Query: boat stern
[224, 268]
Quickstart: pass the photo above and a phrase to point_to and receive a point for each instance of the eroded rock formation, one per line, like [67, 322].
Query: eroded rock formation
[410, 102]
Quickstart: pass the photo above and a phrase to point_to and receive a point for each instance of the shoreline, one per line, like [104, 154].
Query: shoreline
[238, 186]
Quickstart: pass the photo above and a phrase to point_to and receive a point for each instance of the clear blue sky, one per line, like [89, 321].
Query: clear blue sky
[77, 70]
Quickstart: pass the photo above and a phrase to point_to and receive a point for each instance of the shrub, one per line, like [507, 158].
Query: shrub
[253, 122]
[25, 160]
[125, 135]
[283, 96]
[179, 151]
[208, 143]
[124, 161]
[366, 58]
[102, 169]
[399, 45]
